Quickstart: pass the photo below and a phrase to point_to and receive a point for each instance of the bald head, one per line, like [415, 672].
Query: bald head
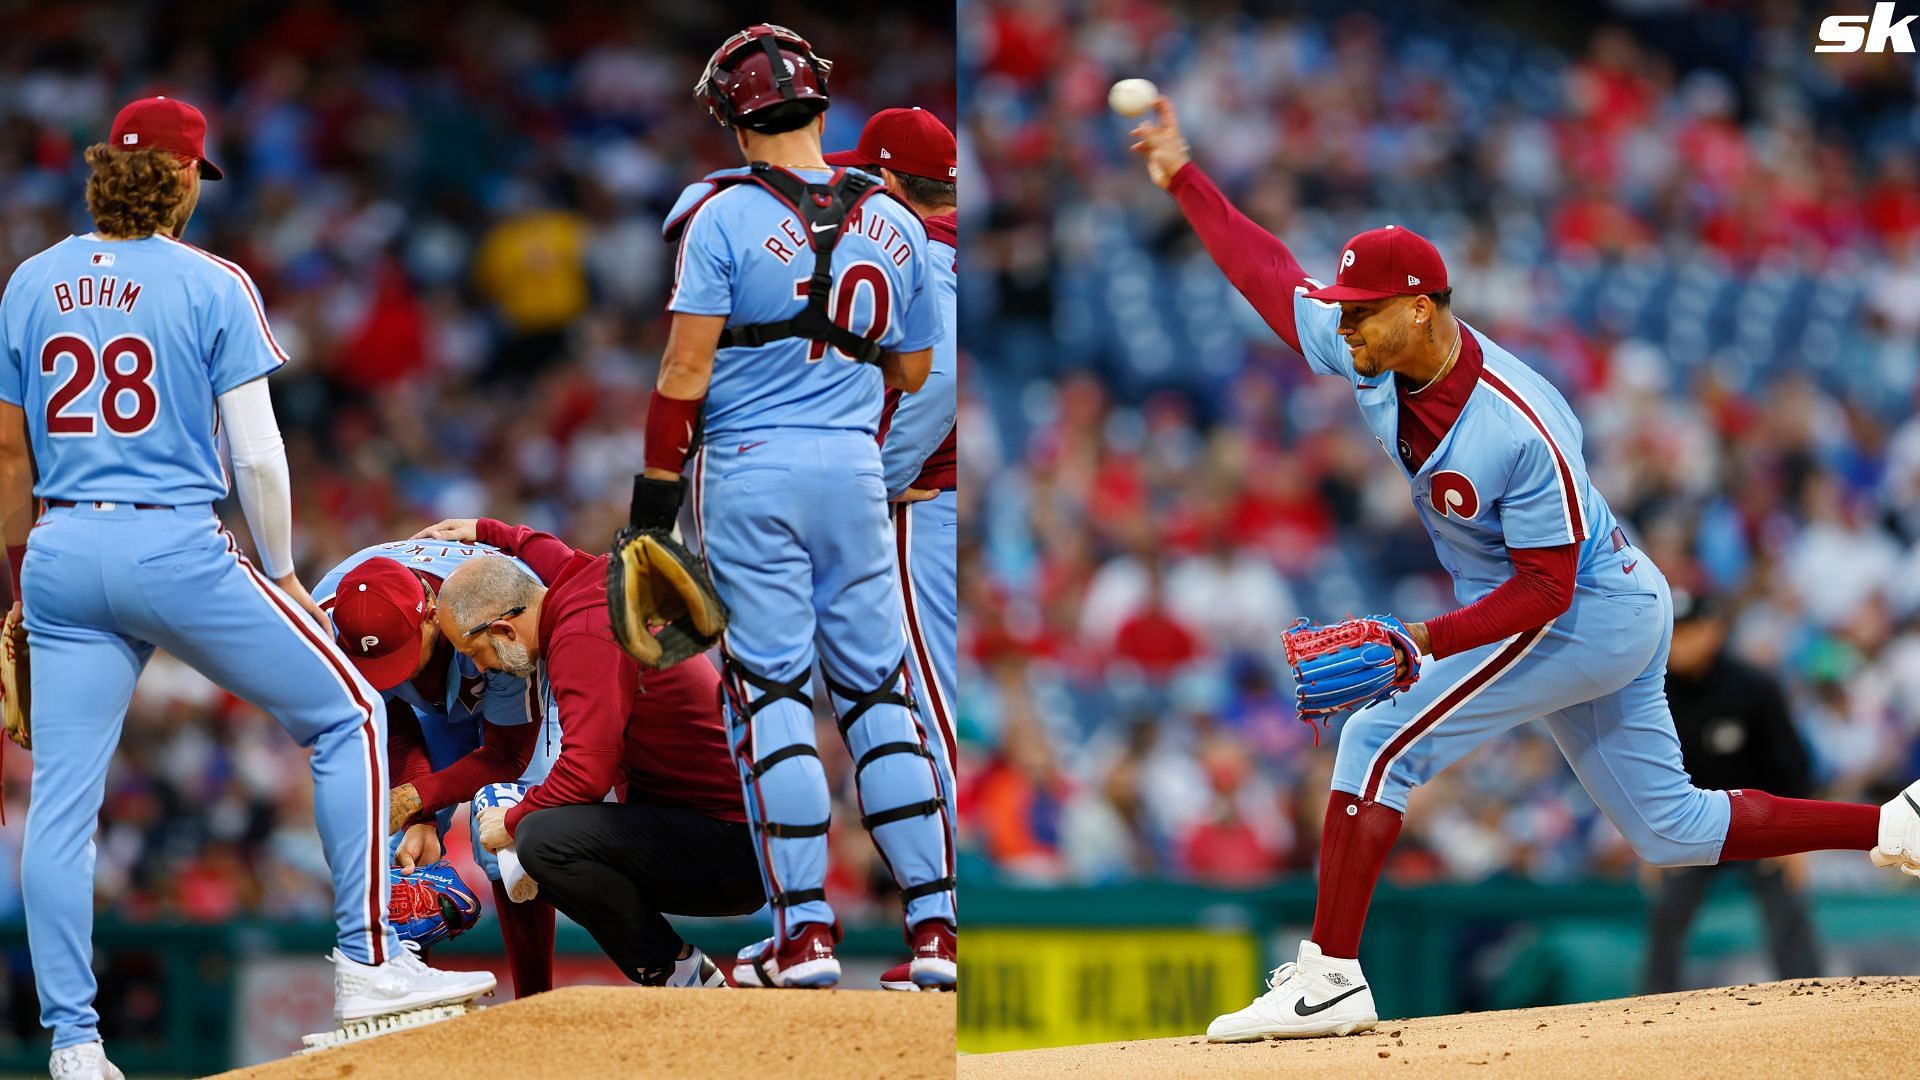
[491, 592]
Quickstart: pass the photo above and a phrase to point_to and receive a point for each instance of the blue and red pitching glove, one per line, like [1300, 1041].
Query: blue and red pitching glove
[431, 904]
[1349, 665]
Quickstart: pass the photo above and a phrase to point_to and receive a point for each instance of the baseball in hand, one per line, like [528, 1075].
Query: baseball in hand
[1131, 97]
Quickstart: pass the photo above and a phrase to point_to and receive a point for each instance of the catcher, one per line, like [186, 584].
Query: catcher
[678, 843]
[1562, 618]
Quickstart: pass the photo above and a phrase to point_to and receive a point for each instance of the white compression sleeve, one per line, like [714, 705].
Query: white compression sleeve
[260, 473]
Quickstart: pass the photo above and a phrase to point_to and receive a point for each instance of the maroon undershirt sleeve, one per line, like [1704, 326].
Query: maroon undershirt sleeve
[593, 681]
[1254, 260]
[1540, 590]
[545, 553]
[503, 753]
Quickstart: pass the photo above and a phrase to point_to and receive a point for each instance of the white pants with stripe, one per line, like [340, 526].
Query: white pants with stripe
[1597, 676]
[105, 584]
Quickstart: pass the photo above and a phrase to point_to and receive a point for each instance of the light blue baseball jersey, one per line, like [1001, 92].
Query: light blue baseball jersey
[118, 350]
[472, 695]
[924, 418]
[747, 255]
[1508, 474]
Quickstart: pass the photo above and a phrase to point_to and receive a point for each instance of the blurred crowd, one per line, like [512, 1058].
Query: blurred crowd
[452, 211]
[1156, 486]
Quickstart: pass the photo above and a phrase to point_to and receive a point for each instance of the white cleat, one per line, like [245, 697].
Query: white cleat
[87, 1061]
[1316, 995]
[1900, 832]
[402, 984]
[697, 971]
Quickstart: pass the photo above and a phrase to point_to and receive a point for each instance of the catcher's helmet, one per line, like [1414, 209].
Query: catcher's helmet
[759, 68]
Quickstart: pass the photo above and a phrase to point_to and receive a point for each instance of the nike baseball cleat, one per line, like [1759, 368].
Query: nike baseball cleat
[936, 953]
[697, 971]
[1900, 832]
[87, 1061]
[401, 984]
[804, 961]
[1315, 995]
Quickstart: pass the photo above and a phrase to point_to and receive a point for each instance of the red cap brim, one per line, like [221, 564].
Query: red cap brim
[1337, 293]
[850, 158]
[384, 673]
[210, 171]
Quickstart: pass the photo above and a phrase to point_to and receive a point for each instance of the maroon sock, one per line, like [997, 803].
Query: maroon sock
[1765, 826]
[1353, 847]
[527, 930]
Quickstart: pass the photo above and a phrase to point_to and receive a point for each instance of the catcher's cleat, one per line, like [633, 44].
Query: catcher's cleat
[403, 983]
[899, 977]
[1900, 832]
[935, 964]
[805, 961]
[1313, 996]
[87, 1061]
[753, 965]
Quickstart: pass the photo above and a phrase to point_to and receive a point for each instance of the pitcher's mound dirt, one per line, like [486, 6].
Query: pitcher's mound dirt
[607, 1031]
[1816, 1027]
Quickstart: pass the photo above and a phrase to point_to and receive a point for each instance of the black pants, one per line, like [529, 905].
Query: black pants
[617, 869]
[1784, 909]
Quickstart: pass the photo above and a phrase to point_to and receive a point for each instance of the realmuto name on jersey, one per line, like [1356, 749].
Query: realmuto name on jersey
[103, 291]
[786, 242]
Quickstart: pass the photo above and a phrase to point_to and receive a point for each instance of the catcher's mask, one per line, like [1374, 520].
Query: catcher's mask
[760, 68]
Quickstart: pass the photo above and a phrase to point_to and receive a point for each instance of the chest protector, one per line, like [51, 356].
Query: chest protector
[823, 210]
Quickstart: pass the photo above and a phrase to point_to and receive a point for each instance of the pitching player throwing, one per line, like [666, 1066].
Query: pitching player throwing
[452, 728]
[122, 353]
[801, 292]
[1562, 618]
[914, 153]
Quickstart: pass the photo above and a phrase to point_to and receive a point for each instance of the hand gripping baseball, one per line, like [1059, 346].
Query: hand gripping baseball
[1158, 139]
[1349, 665]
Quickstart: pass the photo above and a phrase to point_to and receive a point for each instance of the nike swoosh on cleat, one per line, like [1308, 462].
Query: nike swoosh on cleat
[1305, 1009]
[1910, 802]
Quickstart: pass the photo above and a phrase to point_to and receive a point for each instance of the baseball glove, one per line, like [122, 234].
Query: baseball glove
[663, 604]
[431, 904]
[1349, 665]
[16, 681]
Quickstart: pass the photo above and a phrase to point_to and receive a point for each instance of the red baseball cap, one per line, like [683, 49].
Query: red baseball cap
[1383, 262]
[377, 613]
[911, 141]
[161, 123]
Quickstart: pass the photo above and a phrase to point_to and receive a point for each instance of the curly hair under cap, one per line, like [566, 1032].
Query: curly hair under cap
[134, 193]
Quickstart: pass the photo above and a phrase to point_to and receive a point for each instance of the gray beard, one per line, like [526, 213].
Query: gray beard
[513, 658]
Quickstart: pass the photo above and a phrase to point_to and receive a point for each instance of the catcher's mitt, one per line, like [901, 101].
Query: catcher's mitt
[663, 604]
[431, 904]
[16, 682]
[1349, 665]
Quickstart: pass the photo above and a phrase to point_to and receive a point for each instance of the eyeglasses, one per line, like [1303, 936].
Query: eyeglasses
[507, 614]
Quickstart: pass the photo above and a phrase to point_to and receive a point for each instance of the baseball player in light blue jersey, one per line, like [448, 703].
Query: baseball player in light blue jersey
[1562, 618]
[463, 731]
[801, 292]
[124, 353]
[915, 154]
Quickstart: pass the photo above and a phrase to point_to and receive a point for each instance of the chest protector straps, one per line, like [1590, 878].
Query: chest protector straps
[823, 210]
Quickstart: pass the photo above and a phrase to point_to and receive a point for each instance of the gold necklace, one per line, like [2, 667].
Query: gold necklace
[1452, 355]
